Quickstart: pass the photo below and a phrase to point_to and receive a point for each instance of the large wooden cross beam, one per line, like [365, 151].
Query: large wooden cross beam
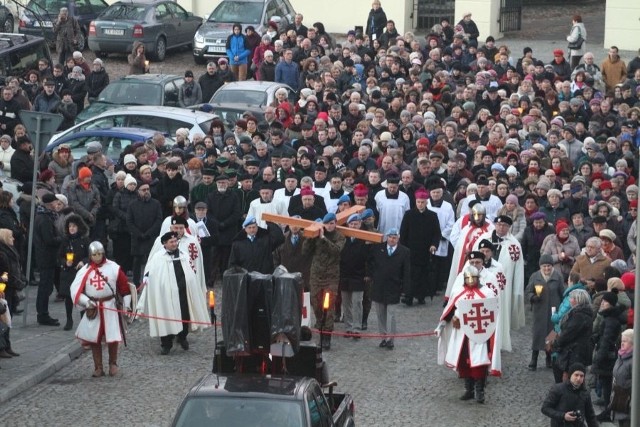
[312, 228]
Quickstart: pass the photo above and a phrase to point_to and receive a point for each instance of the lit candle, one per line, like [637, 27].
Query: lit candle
[69, 256]
[146, 64]
[3, 286]
[325, 304]
[538, 289]
[212, 299]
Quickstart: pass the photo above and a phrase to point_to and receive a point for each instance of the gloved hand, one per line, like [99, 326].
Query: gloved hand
[438, 330]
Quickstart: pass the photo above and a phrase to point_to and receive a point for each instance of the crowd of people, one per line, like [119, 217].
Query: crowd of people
[480, 170]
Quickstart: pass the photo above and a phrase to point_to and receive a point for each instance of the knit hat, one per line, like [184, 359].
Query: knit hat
[577, 367]
[130, 180]
[129, 158]
[545, 259]
[561, 225]
[629, 280]
[610, 297]
[512, 198]
[84, 172]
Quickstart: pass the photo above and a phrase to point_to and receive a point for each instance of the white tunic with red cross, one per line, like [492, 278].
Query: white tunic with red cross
[91, 283]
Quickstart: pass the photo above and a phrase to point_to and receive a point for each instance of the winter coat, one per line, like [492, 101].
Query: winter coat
[69, 112]
[563, 398]
[119, 207]
[238, 45]
[137, 63]
[418, 232]
[291, 258]
[606, 339]
[391, 274]
[225, 209]
[78, 245]
[256, 255]
[144, 218]
[551, 296]
[552, 246]
[78, 87]
[573, 344]
[588, 270]
[96, 81]
[66, 34]
[622, 378]
[531, 249]
[86, 203]
[190, 94]
[169, 189]
[565, 306]
[325, 258]
[45, 238]
[376, 22]
[45, 103]
[354, 260]
[22, 166]
[288, 73]
[519, 221]
[100, 182]
[576, 31]
[60, 168]
[209, 84]
[17, 280]
[556, 214]
[267, 71]
[5, 160]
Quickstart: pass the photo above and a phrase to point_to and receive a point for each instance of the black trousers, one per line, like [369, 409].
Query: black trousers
[420, 283]
[221, 255]
[167, 340]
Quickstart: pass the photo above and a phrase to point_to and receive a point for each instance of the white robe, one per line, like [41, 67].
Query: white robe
[160, 296]
[280, 194]
[192, 229]
[466, 242]
[88, 284]
[257, 208]
[492, 206]
[511, 287]
[451, 339]
[190, 246]
[391, 210]
[446, 218]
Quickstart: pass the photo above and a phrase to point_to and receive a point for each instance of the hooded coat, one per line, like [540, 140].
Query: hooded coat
[76, 244]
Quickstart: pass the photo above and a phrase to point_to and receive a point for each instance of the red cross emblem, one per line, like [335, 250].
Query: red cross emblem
[502, 280]
[97, 282]
[193, 251]
[514, 252]
[480, 320]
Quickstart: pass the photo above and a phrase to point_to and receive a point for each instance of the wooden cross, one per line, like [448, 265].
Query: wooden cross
[312, 228]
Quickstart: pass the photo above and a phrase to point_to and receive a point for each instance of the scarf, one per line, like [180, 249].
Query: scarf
[623, 353]
[561, 240]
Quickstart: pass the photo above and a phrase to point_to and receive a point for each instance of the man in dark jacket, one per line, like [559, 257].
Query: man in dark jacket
[223, 206]
[391, 274]
[144, 218]
[420, 232]
[353, 275]
[569, 402]
[171, 185]
[252, 247]
[207, 243]
[289, 254]
[47, 101]
[21, 161]
[210, 81]
[100, 182]
[46, 242]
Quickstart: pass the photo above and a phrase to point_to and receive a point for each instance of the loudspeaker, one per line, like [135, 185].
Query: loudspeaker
[222, 364]
[259, 298]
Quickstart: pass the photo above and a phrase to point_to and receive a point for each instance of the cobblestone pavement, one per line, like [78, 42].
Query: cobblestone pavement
[404, 387]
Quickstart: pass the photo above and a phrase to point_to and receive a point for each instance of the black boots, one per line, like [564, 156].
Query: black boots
[480, 390]
[468, 389]
[533, 365]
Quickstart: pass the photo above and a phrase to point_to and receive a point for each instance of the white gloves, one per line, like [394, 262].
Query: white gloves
[438, 330]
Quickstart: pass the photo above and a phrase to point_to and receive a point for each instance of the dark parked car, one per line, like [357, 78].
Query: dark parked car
[38, 16]
[113, 140]
[141, 89]
[251, 400]
[160, 25]
[210, 40]
[20, 53]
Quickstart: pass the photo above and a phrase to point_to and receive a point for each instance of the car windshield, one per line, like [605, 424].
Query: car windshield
[124, 11]
[48, 7]
[132, 93]
[230, 411]
[237, 11]
[249, 97]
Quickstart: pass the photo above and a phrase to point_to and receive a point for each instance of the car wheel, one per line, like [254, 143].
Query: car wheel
[8, 25]
[199, 60]
[160, 50]
[82, 42]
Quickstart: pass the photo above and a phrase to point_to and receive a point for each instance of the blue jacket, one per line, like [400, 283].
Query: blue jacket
[565, 306]
[288, 73]
[237, 46]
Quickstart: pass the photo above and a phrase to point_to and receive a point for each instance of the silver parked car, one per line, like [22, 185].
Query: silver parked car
[158, 24]
[211, 38]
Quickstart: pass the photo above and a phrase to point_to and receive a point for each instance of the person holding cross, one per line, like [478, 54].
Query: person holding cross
[95, 289]
[324, 252]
